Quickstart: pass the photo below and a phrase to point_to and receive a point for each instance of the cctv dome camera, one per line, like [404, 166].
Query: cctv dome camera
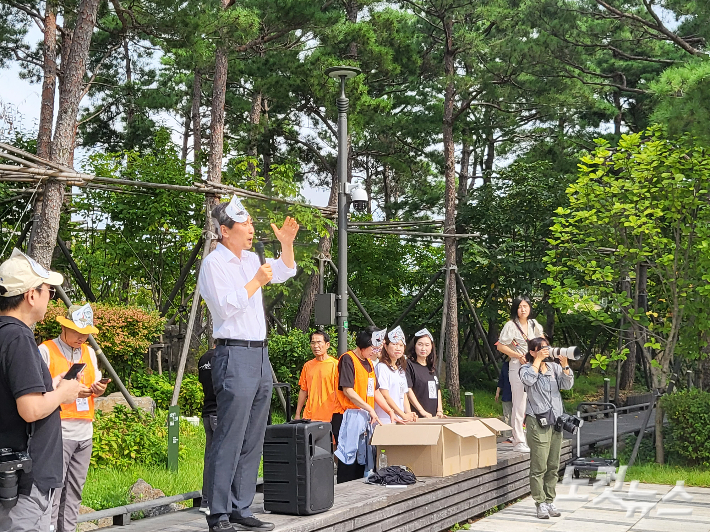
[359, 199]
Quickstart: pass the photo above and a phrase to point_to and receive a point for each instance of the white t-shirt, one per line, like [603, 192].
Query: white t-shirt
[74, 429]
[395, 382]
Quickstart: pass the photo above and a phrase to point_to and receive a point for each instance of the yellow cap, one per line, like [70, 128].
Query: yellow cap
[80, 319]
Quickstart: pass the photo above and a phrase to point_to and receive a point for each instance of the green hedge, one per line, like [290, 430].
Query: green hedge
[688, 433]
[124, 437]
[160, 388]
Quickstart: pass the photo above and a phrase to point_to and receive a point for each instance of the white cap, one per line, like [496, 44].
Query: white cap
[236, 211]
[19, 273]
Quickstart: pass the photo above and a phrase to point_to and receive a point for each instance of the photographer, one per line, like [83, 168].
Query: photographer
[543, 378]
[30, 398]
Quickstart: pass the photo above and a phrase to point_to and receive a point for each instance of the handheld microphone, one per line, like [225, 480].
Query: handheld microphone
[259, 248]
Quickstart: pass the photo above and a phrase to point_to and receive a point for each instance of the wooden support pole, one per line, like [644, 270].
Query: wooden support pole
[479, 326]
[100, 354]
[81, 281]
[420, 295]
[352, 295]
[181, 278]
[188, 332]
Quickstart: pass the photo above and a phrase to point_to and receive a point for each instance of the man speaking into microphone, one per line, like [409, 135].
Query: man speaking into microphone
[230, 281]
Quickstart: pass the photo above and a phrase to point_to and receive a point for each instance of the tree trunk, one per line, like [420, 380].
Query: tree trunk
[628, 368]
[308, 299]
[463, 174]
[219, 89]
[452, 332]
[185, 136]
[254, 119]
[617, 118]
[64, 140]
[49, 83]
[387, 192]
[197, 124]
[352, 9]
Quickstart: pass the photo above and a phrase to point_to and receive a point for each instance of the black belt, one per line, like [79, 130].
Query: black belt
[242, 343]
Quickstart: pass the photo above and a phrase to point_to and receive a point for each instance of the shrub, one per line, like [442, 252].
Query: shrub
[125, 332]
[688, 431]
[473, 376]
[124, 437]
[160, 388]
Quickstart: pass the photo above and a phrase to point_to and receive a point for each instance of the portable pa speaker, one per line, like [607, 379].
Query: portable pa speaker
[298, 468]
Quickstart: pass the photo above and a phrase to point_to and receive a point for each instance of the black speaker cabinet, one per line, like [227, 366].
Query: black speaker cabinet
[298, 468]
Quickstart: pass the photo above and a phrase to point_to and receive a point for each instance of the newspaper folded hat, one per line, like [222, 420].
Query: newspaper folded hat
[378, 338]
[236, 211]
[424, 332]
[19, 273]
[396, 335]
[80, 319]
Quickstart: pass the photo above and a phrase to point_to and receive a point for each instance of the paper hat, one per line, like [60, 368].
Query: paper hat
[396, 335]
[80, 319]
[19, 273]
[378, 338]
[236, 211]
[424, 332]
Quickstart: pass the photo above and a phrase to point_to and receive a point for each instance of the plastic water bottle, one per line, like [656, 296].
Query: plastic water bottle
[382, 461]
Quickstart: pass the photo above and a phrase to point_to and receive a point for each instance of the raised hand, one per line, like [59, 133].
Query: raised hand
[287, 233]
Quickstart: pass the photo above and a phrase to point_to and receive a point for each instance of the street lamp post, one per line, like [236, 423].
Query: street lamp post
[342, 73]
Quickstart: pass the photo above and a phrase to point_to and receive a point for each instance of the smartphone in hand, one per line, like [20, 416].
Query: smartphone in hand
[105, 380]
[75, 371]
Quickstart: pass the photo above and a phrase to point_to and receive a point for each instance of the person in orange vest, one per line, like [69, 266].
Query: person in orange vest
[77, 418]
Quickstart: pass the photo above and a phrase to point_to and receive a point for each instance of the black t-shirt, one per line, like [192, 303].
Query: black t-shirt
[346, 371]
[204, 374]
[22, 371]
[419, 379]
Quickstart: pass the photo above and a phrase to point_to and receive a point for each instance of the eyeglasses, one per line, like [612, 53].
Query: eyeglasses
[51, 289]
[318, 343]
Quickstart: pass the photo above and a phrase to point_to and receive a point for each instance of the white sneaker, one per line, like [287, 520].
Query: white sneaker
[551, 510]
[542, 511]
[521, 448]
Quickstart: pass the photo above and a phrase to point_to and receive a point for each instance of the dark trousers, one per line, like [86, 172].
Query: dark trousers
[210, 423]
[242, 383]
[346, 472]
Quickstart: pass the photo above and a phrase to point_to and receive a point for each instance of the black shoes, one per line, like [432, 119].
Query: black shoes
[223, 526]
[250, 523]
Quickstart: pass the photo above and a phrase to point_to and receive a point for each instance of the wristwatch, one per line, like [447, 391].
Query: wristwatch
[565, 368]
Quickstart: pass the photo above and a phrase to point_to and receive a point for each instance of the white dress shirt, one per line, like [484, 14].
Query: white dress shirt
[222, 279]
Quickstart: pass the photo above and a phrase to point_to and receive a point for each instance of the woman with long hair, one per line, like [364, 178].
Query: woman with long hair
[513, 342]
[392, 379]
[424, 394]
[544, 380]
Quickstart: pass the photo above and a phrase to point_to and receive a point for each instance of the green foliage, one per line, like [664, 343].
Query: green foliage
[160, 388]
[124, 437]
[108, 486]
[642, 202]
[125, 332]
[689, 426]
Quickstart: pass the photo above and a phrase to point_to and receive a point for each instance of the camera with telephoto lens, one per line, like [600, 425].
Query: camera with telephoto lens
[569, 423]
[12, 463]
[572, 353]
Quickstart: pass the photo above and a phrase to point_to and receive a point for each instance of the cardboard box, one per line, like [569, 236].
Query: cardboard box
[440, 447]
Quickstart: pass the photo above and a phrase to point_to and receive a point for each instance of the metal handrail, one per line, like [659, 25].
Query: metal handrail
[128, 509]
[640, 406]
[579, 431]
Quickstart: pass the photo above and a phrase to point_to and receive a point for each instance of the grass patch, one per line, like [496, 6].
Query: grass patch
[669, 474]
[108, 487]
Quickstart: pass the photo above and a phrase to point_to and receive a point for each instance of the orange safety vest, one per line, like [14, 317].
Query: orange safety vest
[364, 381]
[59, 364]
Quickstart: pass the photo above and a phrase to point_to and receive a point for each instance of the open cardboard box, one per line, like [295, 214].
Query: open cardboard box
[440, 447]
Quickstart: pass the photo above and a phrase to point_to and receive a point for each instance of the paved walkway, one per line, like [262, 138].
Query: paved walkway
[636, 508]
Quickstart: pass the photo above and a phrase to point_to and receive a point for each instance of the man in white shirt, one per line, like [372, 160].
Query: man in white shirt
[230, 281]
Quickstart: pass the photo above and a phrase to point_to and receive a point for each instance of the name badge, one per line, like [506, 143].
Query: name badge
[432, 390]
[371, 387]
[82, 404]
